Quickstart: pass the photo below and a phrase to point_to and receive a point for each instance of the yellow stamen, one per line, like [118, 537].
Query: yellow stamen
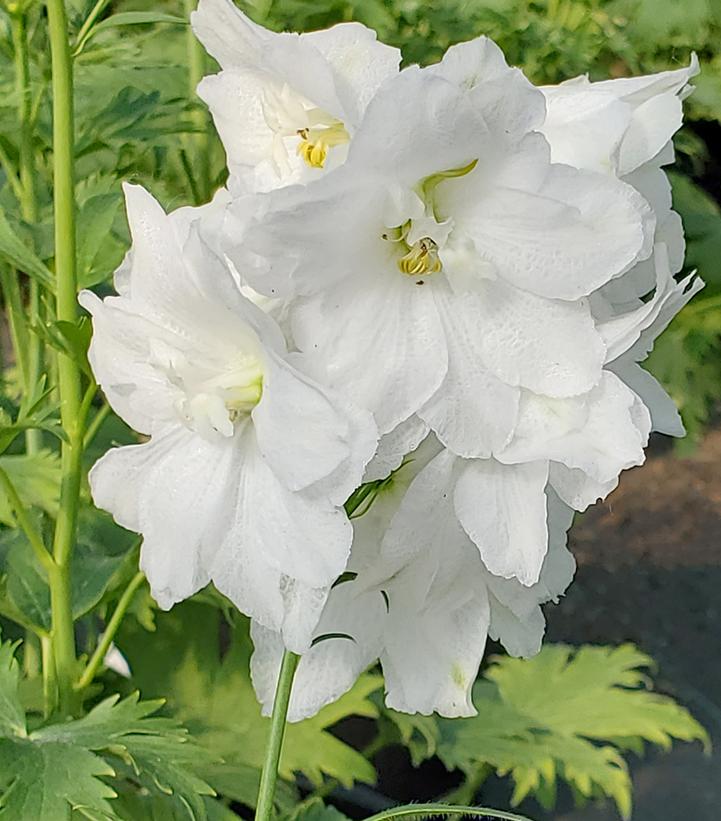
[316, 142]
[422, 258]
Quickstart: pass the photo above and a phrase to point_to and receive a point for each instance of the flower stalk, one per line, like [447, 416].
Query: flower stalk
[269, 776]
[63, 637]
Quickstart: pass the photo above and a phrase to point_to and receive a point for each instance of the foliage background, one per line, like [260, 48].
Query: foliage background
[138, 119]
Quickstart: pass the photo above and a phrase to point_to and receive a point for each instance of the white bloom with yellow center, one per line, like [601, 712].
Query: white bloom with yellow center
[444, 268]
[248, 463]
[286, 105]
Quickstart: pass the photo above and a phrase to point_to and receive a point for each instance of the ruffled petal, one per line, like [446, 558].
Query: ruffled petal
[280, 551]
[308, 433]
[548, 346]
[394, 447]
[361, 64]
[502, 508]
[665, 417]
[473, 412]
[602, 439]
[177, 491]
[381, 343]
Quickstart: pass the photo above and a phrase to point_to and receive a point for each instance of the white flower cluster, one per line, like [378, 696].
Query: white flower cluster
[437, 280]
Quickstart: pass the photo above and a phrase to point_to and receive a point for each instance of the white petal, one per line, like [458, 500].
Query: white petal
[510, 104]
[652, 125]
[521, 638]
[564, 239]
[381, 343]
[503, 510]
[229, 36]
[417, 125]
[473, 412]
[437, 604]
[585, 126]
[177, 491]
[431, 657]
[608, 438]
[545, 345]
[281, 550]
[576, 488]
[308, 433]
[360, 63]
[665, 417]
[394, 447]
[330, 668]
[119, 355]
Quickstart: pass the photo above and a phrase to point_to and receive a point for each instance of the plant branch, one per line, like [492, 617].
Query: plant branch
[26, 525]
[269, 776]
[87, 26]
[94, 426]
[111, 629]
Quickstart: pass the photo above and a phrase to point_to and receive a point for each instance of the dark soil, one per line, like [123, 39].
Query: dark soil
[649, 571]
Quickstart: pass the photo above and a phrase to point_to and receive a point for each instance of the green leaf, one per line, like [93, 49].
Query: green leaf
[135, 18]
[19, 255]
[419, 734]
[98, 556]
[565, 715]
[128, 18]
[70, 338]
[214, 696]
[43, 781]
[315, 810]
[99, 253]
[12, 717]
[68, 765]
[36, 478]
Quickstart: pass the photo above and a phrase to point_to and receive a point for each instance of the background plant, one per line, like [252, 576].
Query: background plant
[69, 586]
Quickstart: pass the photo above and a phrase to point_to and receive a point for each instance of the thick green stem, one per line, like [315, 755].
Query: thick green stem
[68, 372]
[269, 776]
[112, 628]
[28, 199]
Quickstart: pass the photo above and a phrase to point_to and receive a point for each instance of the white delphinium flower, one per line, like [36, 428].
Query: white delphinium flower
[286, 105]
[449, 252]
[615, 126]
[624, 128]
[418, 597]
[248, 462]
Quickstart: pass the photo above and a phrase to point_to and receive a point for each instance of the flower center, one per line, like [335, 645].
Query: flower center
[208, 400]
[316, 142]
[289, 115]
[418, 231]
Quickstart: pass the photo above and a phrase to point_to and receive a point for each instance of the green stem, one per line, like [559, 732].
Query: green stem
[68, 372]
[49, 680]
[112, 628]
[93, 428]
[11, 173]
[25, 522]
[87, 26]
[442, 810]
[269, 776]
[28, 199]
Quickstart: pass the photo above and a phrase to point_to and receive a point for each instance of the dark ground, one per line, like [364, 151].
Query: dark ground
[649, 571]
